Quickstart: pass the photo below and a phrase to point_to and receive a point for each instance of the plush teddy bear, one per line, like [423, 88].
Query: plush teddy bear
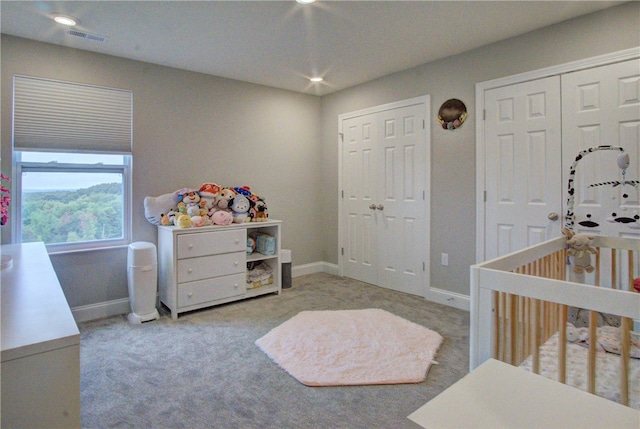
[240, 207]
[222, 217]
[581, 250]
[225, 198]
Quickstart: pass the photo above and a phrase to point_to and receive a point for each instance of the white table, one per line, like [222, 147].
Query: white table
[497, 395]
[40, 342]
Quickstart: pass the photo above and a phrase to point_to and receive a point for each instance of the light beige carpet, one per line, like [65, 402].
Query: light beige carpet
[351, 347]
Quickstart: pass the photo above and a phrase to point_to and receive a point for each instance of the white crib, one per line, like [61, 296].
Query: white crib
[520, 305]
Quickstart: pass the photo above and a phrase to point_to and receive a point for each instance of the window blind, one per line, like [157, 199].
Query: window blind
[50, 115]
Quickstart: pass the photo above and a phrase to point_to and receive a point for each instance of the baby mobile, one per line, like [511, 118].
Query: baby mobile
[623, 164]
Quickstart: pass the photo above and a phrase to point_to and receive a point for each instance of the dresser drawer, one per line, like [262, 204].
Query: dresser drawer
[194, 293]
[193, 269]
[211, 243]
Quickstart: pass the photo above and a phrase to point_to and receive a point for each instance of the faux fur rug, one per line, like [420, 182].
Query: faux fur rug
[352, 347]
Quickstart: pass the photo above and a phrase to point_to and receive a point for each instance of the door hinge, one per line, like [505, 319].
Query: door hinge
[342, 251]
[424, 195]
[485, 196]
[484, 114]
[424, 266]
[341, 137]
[342, 194]
[423, 124]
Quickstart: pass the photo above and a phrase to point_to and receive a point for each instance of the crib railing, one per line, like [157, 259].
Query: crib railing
[520, 300]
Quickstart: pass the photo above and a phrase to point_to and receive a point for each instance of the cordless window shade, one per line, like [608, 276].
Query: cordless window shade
[51, 115]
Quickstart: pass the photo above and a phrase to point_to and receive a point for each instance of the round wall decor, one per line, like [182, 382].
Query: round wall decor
[452, 114]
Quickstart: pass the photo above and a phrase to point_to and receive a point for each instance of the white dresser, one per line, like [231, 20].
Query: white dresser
[206, 266]
[40, 377]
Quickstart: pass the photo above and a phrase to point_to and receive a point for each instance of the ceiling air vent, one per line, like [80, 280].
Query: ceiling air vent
[88, 36]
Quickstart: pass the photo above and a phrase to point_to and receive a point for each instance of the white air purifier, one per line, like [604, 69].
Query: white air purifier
[142, 277]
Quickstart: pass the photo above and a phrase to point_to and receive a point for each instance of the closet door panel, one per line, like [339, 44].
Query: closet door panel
[403, 207]
[359, 175]
[601, 107]
[523, 170]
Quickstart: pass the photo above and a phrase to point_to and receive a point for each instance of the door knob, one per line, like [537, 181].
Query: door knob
[553, 216]
[372, 206]
[380, 207]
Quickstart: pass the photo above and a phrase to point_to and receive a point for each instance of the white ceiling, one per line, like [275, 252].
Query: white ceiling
[282, 43]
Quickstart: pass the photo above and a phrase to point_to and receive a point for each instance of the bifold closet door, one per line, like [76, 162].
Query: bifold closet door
[384, 204]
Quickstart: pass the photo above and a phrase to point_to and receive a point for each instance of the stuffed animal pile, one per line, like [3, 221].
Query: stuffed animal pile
[211, 204]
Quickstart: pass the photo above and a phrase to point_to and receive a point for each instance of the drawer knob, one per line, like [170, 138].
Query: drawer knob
[190, 270]
[237, 241]
[190, 294]
[236, 263]
[190, 246]
[235, 286]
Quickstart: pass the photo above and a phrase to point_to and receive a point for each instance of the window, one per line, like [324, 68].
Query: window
[72, 201]
[72, 164]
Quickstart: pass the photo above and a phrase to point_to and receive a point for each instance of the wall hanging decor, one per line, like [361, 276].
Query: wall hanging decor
[452, 114]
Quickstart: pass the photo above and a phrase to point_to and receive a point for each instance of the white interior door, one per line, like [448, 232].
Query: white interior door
[601, 107]
[358, 217]
[522, 165]
[384, 222]
[401, 206]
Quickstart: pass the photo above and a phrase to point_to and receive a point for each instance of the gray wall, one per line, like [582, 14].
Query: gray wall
[190, 128]
[453, 164]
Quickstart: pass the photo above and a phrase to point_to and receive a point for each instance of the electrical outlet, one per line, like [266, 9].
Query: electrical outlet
[444, 259]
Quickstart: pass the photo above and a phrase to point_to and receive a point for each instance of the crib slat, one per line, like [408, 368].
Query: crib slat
[625, 338]
[614, 271]
[495, 321]
[630, 268]
[535, 337]
[562, 345]
[591, 361]
[503, 335]
[513, 340]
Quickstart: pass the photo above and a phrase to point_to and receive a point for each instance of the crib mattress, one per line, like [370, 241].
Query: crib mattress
[607, 370]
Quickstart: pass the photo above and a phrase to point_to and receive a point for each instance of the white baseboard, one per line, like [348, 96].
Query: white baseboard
[121, 306]
[102, 309]
[316, 267]
[452, 299]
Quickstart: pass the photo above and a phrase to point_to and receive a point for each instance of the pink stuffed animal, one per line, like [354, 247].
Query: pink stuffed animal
[222, 217]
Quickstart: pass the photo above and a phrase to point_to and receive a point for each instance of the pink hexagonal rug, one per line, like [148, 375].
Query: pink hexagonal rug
[352, 347]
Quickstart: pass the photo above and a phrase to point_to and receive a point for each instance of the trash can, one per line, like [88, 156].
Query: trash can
[142, 278]
[285, 260]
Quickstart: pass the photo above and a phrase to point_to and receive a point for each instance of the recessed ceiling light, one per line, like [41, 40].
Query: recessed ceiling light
[316, 79]
[65, 20]
[305, 1]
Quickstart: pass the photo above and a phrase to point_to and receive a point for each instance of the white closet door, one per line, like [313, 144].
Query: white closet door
[384, 220]
[401, 199]
[601, 106]
[522, 167]
[359, 222]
